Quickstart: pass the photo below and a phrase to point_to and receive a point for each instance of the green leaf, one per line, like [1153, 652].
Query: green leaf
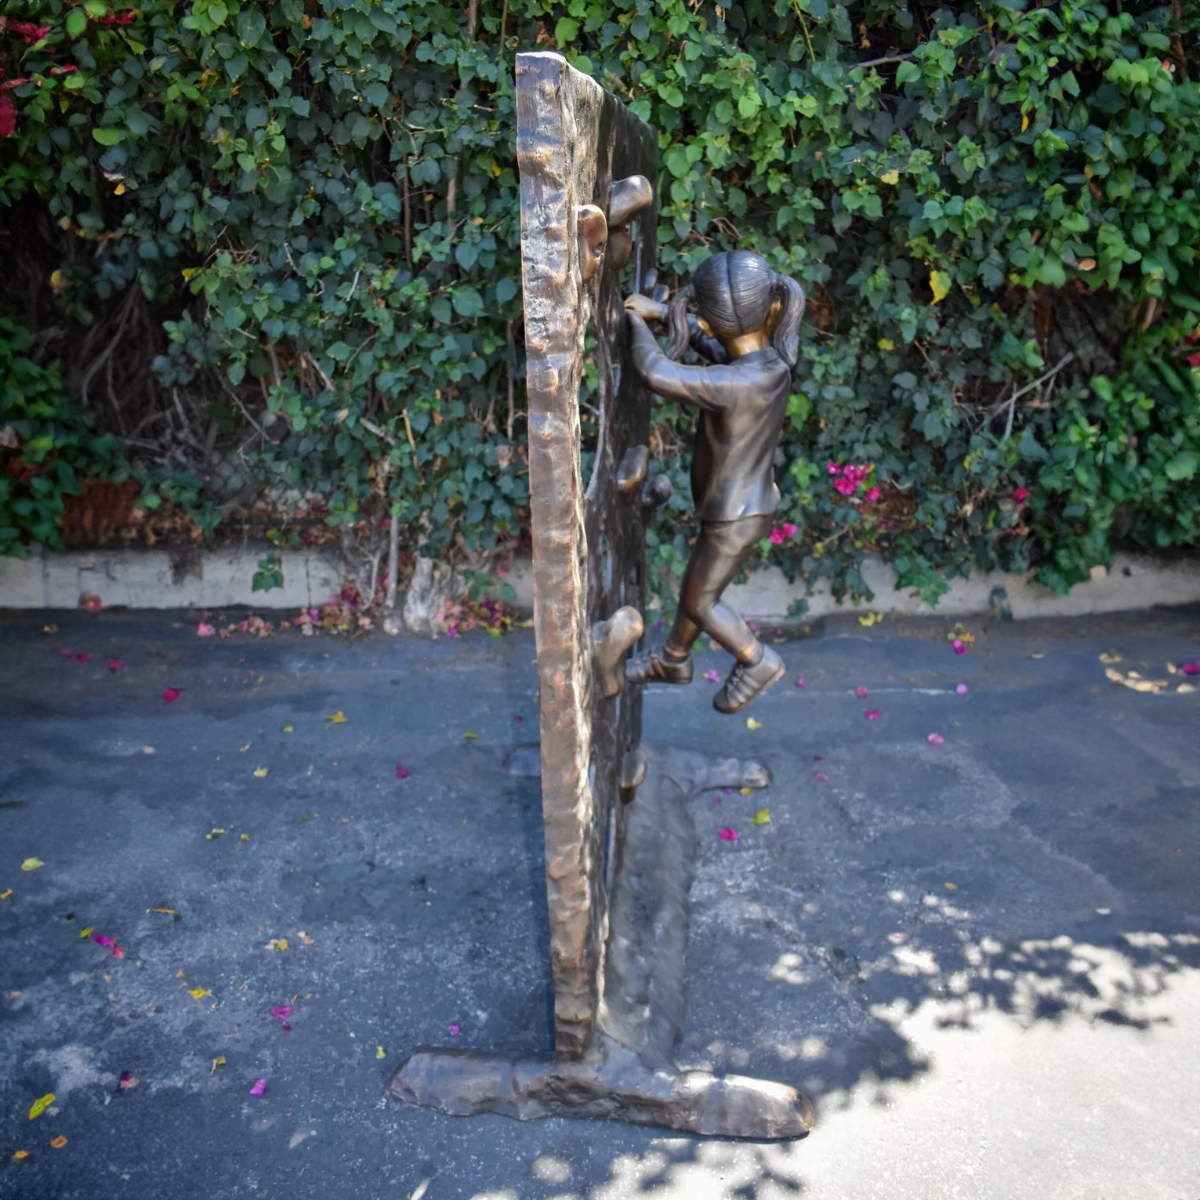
[467, 302]
[76, 23]
[565, 32]
[907, 72]
[106, 135]
[1182, 466]
[376, 94]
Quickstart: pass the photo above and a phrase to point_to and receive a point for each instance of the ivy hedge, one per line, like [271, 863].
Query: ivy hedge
[992, 206]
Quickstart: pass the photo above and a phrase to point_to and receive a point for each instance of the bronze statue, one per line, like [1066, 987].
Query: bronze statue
[620, 843]
[747, 326]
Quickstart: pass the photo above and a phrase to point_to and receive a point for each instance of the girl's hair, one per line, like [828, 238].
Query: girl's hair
[733, 291]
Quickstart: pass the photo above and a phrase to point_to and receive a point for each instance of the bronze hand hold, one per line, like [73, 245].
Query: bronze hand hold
[746, 324]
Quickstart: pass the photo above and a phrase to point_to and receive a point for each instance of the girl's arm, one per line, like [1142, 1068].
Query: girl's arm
[714, 388]
[703, 345]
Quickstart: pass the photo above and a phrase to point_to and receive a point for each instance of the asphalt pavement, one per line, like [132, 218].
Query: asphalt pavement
[969, 929]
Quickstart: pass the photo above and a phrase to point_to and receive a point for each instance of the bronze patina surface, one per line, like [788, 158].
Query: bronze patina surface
[619, 842]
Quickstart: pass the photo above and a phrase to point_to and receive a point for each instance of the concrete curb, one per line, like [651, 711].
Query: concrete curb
[137, 578]
[223, 578]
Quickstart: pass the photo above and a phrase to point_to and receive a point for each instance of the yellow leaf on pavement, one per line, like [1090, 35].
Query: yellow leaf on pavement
[338, 718]
[39, 1106]
[32, 864]
[762, 817]
[751, 723]
[59, 1142]
[261, 772]
[380, 1052]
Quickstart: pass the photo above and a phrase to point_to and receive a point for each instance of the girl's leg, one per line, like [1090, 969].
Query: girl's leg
[720, 551]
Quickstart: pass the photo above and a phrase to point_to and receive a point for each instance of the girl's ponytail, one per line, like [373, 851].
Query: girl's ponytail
[785, 340]
[678, 334]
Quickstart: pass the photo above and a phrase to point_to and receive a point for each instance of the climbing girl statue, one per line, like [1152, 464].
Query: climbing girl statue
[746, 323]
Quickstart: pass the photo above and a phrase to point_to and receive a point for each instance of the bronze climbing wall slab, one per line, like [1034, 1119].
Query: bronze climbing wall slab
[588, 216]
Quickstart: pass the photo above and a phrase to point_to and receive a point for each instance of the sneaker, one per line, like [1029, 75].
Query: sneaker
[745, 683]
[655, 667]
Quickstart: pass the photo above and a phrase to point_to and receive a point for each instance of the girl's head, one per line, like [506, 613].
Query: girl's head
[733, 293]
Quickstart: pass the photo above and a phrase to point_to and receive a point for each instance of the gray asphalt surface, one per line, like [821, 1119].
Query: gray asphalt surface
[980, 958]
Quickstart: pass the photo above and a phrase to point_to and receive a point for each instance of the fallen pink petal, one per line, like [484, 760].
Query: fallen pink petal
[455, 1029]
[872, 714]
[115, 665]
[727, 835]
[83, 658]
[518, 719]
[1190, 668]
[821, 777]
[962, 689]
[861, 692]
[800, 682]
[170, 695]
[401, 772]
[102, 940]
[958, 647]
[935, 739]
[117, 951]
[259, 1088]
[712, 676]
[204, 629]
[281, 1012]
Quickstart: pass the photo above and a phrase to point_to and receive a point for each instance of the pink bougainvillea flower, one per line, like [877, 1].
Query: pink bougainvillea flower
[1020, 495]
[204, 629]
[962, 689]
[259, 1088]
[712, 676]
[8, 116]
[115, 665]
[800, 681]
[117, 951]
[789, 530]
[872, 714]
[1194, 360]
[102, 939]
[860, 692]
[401, 772]
[1190, 668]
[753, 625]
[455, 1029]
[834, 469]
[170, 695]
[729, 791]
[776, 537]
[84, 658]
[958, 647]
[935, 739]
[727, 835]
[872, 495]
[518, 719]
[281, 1012]
[821, 777]
[845, 486]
